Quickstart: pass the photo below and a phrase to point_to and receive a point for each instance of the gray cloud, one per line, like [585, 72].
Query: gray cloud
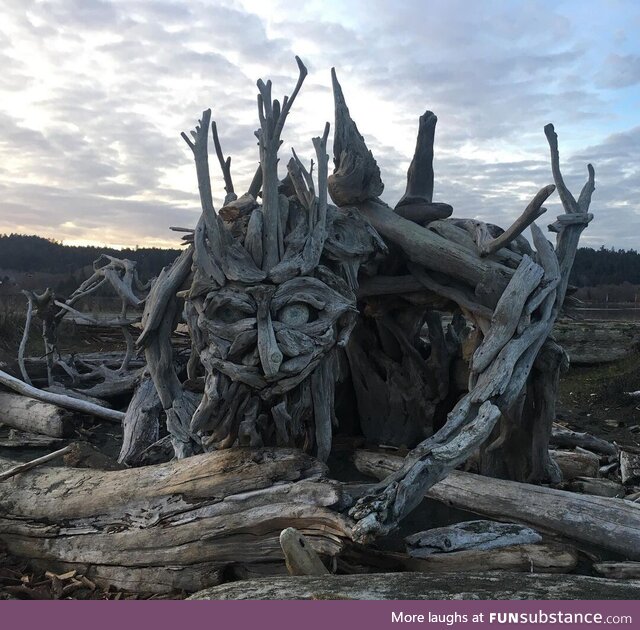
[619, 71]
[96, 92]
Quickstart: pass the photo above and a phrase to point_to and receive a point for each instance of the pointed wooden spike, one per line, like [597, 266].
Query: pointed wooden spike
[356, 176]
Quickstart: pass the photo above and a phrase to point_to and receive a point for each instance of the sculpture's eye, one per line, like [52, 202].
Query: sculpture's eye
[297, 314]
[229, 314]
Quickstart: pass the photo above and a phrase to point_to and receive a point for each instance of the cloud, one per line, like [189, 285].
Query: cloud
[619, 71]
[94, 95]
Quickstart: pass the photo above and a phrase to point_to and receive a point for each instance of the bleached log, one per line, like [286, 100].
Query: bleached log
[25, 338]
[185, 521]
[66, 402]
[612, 524]
[539, 558]
[430, 250]
[34, 416]
[530, 214]
[506, 315]
[563, 437]
[420, 586]
[65, 391]
[476, 535]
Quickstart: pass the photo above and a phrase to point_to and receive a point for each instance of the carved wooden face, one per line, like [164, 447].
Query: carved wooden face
[265, 334]
[268, 346]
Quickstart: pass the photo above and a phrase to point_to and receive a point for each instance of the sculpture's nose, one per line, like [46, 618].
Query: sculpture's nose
[268, 350]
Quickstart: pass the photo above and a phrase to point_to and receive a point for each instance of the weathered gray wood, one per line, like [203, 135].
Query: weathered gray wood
[576, 464]
[539, 558]
[34, 416]
[21, 439]
[530, 214]
[618, 570]
[477, 535]
[598, 486]
[506, 315]
[60, 389]
[299, 556]
[66, 402]
[629, 467]
[417, 202]
[26, 466]
[272, 119]
[430, 250]
[569, 235]
[419, 586]
[563, 437]
[185, 520]
[356, 177]
[612, 524]
[25, 338]
[141, 423]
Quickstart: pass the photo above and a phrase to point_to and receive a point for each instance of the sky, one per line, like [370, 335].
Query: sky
[94, 95]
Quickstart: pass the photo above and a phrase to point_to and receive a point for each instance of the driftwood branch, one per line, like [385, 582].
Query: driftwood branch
[530, 214]
[272, 119]
[20, 468]
[225, 165]
[60, 400]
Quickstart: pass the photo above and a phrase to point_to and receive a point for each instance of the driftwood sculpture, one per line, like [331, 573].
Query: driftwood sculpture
[288, 299]
[405, 325]
[297, 308]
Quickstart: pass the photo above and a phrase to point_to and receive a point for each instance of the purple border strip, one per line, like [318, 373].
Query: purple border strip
[315, 615]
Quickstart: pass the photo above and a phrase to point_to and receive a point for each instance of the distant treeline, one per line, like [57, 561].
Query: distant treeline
[593, 267]
[35, 254]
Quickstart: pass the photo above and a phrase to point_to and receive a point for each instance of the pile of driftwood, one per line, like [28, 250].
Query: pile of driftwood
[400, 327]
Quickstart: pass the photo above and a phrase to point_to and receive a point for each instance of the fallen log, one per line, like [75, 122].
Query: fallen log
[618, 570]
[576, 464]
[476, 535]
[542, 558]
[611, 524]
[418, 586]
[565, 438]
[22, 439]
[171, 526]
[66, 402]
[598, 486]
[33, 416]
